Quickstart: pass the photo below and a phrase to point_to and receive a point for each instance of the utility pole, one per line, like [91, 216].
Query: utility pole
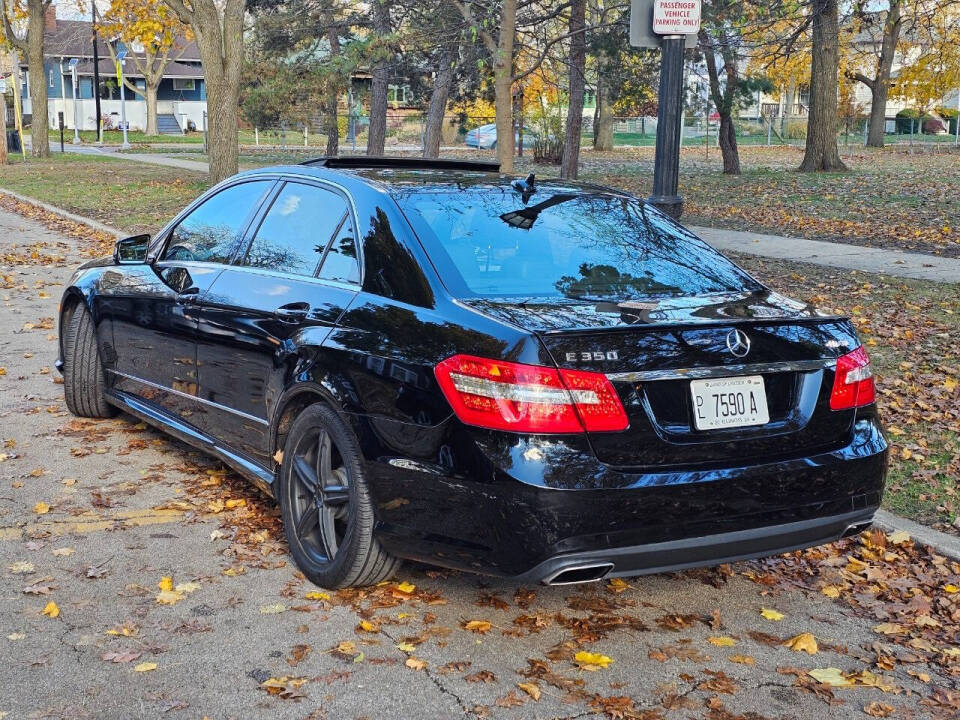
[96, 71]
[3, 128]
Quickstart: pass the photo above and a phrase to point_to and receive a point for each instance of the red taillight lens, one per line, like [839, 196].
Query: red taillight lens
[529, 398]
[853, 383]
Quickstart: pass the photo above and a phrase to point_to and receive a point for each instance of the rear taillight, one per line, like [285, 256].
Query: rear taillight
[529, 398]
[853, 383]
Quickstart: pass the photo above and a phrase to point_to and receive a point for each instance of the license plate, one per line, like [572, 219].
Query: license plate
[729, 402]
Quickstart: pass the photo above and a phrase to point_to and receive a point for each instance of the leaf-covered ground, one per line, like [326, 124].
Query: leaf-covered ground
[142, 580]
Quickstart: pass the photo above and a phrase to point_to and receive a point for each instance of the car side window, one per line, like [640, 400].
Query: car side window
[296, 230]
[341, 262]
[213, 231]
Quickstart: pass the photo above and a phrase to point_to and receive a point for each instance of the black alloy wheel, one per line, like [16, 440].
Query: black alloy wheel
[328, 516]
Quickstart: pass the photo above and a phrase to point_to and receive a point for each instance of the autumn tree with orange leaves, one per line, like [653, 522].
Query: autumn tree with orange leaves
[154, 37]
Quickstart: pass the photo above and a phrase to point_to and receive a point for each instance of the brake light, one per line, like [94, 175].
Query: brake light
[529, 398]
[853, 382]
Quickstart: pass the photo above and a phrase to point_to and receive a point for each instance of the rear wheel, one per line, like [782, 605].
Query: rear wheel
[82, 370]
[327, 512]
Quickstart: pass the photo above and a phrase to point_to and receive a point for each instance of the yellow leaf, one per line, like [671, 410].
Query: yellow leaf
[591, 661]
[169, 597]
[21, 567]
[898, 538]
[272, 609]
[187, 587]
[368, 626]
[51, 610]
[41, 508]
[316, 595]
[742, 659]
[831, 591]
[804, 642]
[63, 552]
[166, 583]
[531, 689]
[617, 585]
[406, 647]
[239, 502]
[145, 667]
[406, 587]
[830, 676]
[951, 588]
[950, 384]
[889, 629]
[771, 614]
[415, 663]
[722, 641]
[477, 626]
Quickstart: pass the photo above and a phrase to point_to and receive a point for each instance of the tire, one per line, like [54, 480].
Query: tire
[83, 381]
[343, 509]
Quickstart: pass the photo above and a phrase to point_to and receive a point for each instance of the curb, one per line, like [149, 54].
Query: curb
[939, 542]
[98, 226]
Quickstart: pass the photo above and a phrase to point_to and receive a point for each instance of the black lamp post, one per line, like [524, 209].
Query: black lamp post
[96, 69]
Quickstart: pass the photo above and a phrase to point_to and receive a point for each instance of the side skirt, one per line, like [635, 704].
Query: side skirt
[160, 418]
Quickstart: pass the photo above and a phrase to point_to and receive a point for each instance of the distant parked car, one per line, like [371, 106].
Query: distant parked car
[485, 137]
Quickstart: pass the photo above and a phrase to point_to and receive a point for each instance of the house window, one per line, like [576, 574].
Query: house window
[51, 77]
[398, 93]
[184, 84]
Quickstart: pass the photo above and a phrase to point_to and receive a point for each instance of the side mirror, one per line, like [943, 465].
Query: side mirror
[131, 250]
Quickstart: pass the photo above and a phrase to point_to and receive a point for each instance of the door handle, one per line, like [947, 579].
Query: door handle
[292, 312]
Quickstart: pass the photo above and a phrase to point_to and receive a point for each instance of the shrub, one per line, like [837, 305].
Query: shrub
[795, 130]
[951, 115]
[904, 118]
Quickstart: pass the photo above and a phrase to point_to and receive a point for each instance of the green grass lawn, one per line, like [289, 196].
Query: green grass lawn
[135, 137]
[129, 196]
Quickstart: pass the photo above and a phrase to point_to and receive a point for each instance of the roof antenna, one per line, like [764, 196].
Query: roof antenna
[525, 187]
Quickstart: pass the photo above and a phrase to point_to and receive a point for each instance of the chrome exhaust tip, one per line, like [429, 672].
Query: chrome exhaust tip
[573, 574]
[856, 529]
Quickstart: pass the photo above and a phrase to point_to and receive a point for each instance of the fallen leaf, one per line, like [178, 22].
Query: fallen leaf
[41, 508]
[879, 709]
[368, 626]
[804, 642]
[415, 663]
[771, 614]
[63, 552]
[591, 661]
[406, 587]
[899, 537]
[617, 585]
[145, 667]
[21, 567]
[531, 689]
[830, 676]
[315, 595]
[166, 583]
[742, 659]
[51, 609]
[722, 641]
[831, 591]
[477, 626]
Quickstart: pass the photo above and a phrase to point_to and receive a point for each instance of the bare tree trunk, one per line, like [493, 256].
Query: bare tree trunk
[331, 126]
[150, 97]
[881, 84]
[787, 107]
[3, 130]
[570, 161]
[433, 131]
[40, 124]
[377, 133]
[821, 153]
[603, 135]
[218, 28]
[502, 84]
[728, 145]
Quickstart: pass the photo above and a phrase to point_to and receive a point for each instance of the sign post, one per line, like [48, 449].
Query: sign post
[76, 116]
[121, 54]
[673, 26]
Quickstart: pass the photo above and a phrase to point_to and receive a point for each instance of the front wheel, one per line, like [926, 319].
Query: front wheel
[82, 370]
[325, 504]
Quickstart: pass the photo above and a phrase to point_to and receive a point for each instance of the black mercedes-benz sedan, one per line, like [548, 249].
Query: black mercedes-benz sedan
[538, 379]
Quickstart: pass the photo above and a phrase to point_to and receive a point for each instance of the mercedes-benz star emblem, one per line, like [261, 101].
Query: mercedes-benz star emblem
[738, 343]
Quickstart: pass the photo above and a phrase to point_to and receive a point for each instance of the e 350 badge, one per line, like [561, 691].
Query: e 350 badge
[595, 355]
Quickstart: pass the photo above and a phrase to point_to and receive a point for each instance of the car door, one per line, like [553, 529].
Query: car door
[266, 314]
[155, 318]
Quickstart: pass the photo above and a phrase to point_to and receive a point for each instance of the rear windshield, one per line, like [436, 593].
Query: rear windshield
[493, 244]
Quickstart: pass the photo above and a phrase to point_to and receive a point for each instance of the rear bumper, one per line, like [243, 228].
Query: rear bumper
[700, 551]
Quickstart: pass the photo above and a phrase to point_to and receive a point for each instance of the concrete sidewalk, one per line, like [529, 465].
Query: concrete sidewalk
[918, 266]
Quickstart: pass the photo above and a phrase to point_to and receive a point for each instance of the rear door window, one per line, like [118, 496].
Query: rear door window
[213, 231]
[296, 230]
[499, 242]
